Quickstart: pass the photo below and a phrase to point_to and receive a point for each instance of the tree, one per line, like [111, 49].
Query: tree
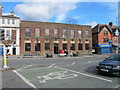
[71, 21]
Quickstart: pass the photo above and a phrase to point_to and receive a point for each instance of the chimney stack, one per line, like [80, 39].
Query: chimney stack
[0, 10]
[12, 13]
[111, 24]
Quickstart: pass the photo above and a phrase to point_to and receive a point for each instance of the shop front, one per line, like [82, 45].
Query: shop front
[105, 48]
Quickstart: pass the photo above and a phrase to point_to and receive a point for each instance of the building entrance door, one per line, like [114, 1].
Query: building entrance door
[14, 51]
[55, 48]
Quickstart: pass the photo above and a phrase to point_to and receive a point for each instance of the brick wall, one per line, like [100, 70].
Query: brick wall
[51, 27]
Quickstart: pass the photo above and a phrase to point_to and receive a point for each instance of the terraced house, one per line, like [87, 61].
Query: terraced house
[40, 37]
[106, 38]
[10, 25]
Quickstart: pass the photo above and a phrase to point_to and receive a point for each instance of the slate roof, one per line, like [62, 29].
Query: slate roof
[10, 16]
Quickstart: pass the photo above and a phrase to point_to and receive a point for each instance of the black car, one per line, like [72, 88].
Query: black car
[49, 54]
[110, 65]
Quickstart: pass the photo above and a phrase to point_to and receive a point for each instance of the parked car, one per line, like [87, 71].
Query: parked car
[49, 54]
[75, 54]
[62, 53]
[110, 65]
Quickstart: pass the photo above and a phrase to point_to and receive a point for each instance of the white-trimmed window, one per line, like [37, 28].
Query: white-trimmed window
[8, 21]
[116, 40]
[105, 32]
[37, 32]
[72, 33]
[55, 32]
[79, 34]
[13, 21]
[64, 33]
[27, 31]
[3, 21]
[86, 35]
[47, 32]
[7, 33]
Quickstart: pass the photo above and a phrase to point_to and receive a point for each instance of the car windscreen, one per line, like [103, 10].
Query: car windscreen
[115, 57]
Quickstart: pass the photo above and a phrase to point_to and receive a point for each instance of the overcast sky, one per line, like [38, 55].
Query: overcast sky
[86, 13]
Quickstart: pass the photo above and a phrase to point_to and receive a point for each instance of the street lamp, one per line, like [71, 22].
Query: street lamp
[117, 34]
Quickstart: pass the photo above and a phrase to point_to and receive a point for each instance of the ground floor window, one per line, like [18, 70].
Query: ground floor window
[115, 49]
[27, 47]
[47, 46]
[37, 47]
[64, 46]
[87, 46]
[72, 46]
[79, 46]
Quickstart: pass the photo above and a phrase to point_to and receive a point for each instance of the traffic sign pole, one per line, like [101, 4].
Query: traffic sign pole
[5, 60]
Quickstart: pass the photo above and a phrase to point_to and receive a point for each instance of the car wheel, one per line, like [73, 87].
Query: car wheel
[99, 72]
[110, 74]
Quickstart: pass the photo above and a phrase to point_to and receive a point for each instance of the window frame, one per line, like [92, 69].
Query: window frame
[37, 32]
[27, 31]
[28, 47]
[64, 33]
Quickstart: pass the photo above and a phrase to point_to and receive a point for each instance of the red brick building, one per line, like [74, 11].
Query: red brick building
[39, 37]
[105, 38]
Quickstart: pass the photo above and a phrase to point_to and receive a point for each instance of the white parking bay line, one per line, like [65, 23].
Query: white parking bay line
[25, 67]
[24, 79]
[52, 65]
[86, 74]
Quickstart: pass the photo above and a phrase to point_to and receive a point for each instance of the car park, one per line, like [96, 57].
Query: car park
[110, 66]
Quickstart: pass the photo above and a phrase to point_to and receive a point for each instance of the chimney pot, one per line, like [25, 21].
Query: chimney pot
[111, 24]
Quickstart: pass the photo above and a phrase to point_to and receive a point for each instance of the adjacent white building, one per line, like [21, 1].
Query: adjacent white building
[11, 26]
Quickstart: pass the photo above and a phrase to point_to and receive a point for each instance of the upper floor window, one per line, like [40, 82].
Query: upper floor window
[13, 21]
[37, 32]
[55, 32]
[86, 35]
[27, 31]
[64, 33]
[72, 33]
[8, 21]
[7, 33]
[79, 34]
[116, 40]
[47, 32]
[105, 32]
[105, 39]
[3, 21]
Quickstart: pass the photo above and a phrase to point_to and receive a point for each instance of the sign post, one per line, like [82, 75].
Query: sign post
[117, 34]
[5, 60]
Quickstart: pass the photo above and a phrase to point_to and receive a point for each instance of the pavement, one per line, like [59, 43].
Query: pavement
[55, 56]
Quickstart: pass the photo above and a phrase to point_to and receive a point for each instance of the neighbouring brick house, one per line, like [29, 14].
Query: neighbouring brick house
[105, 39]
[11, 26]
[40, 37]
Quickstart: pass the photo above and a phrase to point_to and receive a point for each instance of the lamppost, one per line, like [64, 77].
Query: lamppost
[6, 44]
[117, 33]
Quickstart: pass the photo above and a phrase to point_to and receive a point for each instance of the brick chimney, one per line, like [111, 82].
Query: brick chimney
[111, 24]
[0, 9]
